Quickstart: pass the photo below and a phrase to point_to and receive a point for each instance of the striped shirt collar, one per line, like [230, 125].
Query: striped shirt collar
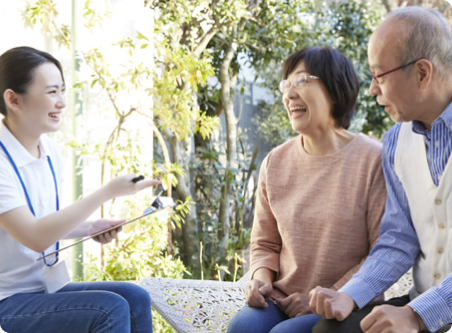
[445, 118]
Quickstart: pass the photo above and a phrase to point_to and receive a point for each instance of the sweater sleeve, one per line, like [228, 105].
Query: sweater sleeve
[397, 247]
[265, 237]
[375, 208]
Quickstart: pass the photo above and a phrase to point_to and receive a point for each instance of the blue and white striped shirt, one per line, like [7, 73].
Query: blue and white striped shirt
[397, 247]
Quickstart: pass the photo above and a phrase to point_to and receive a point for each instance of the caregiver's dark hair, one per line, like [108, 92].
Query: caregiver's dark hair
[337, 74]
[17, 68]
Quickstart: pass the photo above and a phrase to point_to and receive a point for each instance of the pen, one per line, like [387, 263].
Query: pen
[137, 179]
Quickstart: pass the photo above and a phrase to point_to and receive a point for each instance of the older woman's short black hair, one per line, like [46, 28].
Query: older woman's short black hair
[337, 74]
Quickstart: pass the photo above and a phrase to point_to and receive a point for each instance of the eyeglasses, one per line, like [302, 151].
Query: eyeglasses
[375, 77]
[297, 82]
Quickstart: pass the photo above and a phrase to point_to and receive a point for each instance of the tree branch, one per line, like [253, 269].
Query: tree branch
[204, 41]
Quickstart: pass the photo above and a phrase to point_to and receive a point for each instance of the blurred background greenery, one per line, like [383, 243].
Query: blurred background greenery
[205, 73]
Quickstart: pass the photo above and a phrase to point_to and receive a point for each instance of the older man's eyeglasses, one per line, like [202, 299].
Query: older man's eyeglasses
[297, 81]
[375, 77]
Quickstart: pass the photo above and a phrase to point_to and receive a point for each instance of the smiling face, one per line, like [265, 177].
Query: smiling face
[42, 104]
[309, 107]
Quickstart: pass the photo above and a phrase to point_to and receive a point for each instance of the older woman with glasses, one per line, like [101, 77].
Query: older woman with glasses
[320, 198]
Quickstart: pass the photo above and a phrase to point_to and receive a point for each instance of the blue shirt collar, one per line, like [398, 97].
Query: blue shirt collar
[445, 118]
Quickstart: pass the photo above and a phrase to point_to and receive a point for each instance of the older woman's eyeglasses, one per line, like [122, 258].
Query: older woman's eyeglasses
[375, 77]
[297, 81]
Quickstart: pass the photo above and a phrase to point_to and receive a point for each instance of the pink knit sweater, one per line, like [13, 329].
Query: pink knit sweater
[317, 217]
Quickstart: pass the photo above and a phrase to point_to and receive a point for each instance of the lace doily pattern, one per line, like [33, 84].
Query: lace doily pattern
[196, 305]
[402, 287]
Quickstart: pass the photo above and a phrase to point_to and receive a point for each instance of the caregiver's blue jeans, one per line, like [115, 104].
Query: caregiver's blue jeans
[271, 319]
[80, 307]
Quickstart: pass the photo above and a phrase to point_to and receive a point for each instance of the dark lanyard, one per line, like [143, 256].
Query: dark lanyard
[28, 197]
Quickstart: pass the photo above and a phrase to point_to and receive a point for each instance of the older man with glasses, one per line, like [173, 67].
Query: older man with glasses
[410, 56]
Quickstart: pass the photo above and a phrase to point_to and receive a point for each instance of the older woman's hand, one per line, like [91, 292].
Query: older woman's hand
[331, 304]
[256, 290]
[295, 305]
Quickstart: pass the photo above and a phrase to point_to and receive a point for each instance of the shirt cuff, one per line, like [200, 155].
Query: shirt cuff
[360, 291]
[433, 309]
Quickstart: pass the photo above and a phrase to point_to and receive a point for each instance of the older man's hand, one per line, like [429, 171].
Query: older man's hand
[392, 319]
[330, 304]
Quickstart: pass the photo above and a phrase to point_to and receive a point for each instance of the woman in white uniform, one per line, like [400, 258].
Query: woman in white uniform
[34, 295]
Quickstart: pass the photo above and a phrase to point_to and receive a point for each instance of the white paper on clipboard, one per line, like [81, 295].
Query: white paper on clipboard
[149, 211]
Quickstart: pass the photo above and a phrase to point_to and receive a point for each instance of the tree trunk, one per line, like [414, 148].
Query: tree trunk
[183, 155]
[231, 147]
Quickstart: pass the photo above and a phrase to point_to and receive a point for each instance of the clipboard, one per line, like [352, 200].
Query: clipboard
[155, 207]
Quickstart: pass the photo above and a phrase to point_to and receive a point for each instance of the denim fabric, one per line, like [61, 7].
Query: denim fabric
[82, 307]
[270, 320]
